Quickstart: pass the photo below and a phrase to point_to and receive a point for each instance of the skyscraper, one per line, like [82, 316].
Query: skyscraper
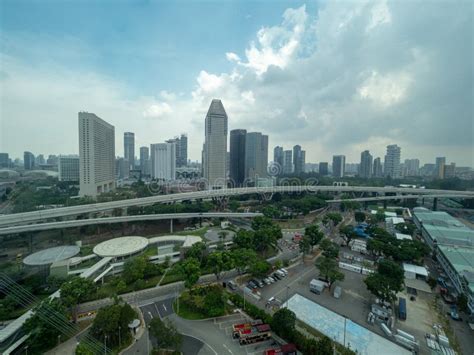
[365, 168]
[68, 168]
[378, 171]
[96, 155]
[412, 167]
[450, 171]
[215, 145]
[323, 168]
[183, 151]
[144, 160]
[440, 163]
[298, 159]
[28, 160]
[129, 148]
[256, 155]
[4, 160]
[287, 162]
[163, 161]
[278, 157]
[237, 156]
[338, 165]
[392, 161]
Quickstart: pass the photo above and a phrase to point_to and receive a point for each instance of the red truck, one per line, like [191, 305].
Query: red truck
[237, 328]
[254, 334]
[287, 349]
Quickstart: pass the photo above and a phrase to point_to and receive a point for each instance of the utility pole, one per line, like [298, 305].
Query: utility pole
[105, 345]
[120, 338]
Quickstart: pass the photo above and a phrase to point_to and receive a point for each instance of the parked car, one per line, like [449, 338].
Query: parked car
[252, 285]
[284, 271]
[232, 285]
[266, 281]
[272, 279]
[277, 276]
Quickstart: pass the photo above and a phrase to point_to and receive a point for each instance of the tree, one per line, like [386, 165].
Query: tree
[380, 216]
[329, 248]
[243, 238]
[190, 270]
[284, 323]
[304, 245]
[359, 216]
[347, 233]
[335, 217]
[386, 281]
[112, 321]
[134, 269]
[166, 334]
[76, 291]
[197, 251]
[214, 302]
[42, 333]
[314, 234]
[219, 261]
[260, 268]
[243, 258]
[329, 268]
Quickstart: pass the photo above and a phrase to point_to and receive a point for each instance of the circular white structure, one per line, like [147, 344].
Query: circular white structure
[119, 247]
[51, 255]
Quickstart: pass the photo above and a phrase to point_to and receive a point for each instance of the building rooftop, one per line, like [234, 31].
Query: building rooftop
[462, 260]
[123, 246]
[445, 229]
[419, 270]
[51, 255]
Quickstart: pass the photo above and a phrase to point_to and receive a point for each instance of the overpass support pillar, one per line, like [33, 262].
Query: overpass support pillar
[171, 225]
[435, 204]
[366, 204]
[385, 204]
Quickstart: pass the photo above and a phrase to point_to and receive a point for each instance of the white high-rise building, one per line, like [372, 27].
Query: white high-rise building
[365, 167]
[338, 166]
[215, 146]
[129, 149]
[163, 161]
[288, 162]
[96, 155]
[392, 161]
[68, 168]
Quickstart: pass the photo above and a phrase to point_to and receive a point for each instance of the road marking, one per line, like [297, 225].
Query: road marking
[292, 282]
[151, 315]
[225, 346]
[157, 311]
[165, 307]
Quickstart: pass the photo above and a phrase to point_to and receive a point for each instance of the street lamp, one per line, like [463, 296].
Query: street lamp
[120, 339]
[105, 344]
[287, 298]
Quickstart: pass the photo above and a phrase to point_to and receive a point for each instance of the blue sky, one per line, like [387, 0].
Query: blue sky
[336, 77]
[149, 45]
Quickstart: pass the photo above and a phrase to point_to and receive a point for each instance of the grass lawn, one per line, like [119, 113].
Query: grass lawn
[198, 232]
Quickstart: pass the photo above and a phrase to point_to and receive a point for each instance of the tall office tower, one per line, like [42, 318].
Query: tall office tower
[53, 160]
[4, 160]
[237, 156]
[39, 160]
[428, 169]
[287, 162]
[323, 168]
[338, 165]
[215, 145]
[122, 168]
[365, 167]
[144, 158]
[412, 167]
[392, 161]
[297, 161]
[450, 171]
[68, 168]
[96, 155]
[28, 160]
[163, 161]
[129, 148]
[183, 151]
[256, 155]
[440, 164]
[378, 171]
[278, 156]
[303, 161]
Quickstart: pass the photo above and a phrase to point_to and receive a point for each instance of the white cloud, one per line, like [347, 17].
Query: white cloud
[385, 90]
[157, 110]
[380, 15]
[248, 96]
[232, 57]
[209, 82]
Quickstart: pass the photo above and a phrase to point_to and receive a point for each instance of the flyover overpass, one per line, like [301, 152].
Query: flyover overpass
[398, 197]
[29, 217]
[108, 220]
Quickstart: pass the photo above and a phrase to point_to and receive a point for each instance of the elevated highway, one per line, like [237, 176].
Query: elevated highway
[397, 197]
[29, 217]
[109, 220]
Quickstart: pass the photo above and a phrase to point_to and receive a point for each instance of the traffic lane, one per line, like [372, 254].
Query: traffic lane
[165, 307]
[192, 346]
[149, 312]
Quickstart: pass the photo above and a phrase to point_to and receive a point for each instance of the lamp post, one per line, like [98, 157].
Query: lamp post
[287, 298]
[120, 338]
[148, 340]
[105, 344]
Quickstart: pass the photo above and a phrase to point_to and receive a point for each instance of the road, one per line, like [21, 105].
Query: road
[28, 217]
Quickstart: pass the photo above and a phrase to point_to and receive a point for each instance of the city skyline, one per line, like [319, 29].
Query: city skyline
[255, 71]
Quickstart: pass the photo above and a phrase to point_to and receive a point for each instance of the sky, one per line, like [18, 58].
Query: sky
[336, 77]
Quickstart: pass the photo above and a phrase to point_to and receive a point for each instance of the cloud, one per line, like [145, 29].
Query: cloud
[353, 76]
[157, 110]
[232, 57]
